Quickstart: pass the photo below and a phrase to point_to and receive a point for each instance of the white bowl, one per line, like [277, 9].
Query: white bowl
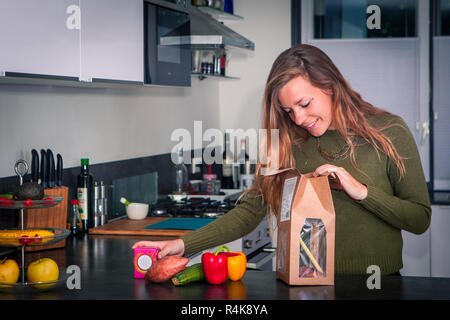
[137, 211]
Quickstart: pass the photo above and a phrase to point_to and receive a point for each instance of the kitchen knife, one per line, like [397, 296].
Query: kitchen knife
[43, 169]
[51, 169]
[59, 170]
[34, 166]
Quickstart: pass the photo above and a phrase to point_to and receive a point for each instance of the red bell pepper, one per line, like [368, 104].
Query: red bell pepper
[215, 266]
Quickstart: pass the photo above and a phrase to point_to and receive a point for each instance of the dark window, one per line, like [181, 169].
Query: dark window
[443, 18]
[341, 19]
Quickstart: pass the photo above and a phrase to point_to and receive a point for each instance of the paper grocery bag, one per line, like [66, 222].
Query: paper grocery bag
[306, 230]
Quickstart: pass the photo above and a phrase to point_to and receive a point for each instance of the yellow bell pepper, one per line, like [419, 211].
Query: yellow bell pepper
[237, 264]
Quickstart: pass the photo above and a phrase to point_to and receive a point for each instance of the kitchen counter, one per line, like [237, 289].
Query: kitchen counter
[106, 264]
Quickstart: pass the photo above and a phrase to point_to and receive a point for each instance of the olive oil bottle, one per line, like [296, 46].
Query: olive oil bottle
[84, 190]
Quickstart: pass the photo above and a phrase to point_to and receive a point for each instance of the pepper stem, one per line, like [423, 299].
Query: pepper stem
[220, 249]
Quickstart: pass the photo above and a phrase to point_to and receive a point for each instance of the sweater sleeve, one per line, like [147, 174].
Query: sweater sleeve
[236, 223]
[408, 208]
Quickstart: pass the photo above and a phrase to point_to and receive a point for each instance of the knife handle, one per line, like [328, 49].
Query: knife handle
[59, 169]
[34, 166]
[44, 173]
[51, 169]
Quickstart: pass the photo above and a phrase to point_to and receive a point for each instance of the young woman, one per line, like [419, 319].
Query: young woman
[325, 127]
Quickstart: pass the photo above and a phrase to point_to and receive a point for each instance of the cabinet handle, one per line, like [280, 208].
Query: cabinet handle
[424, 132]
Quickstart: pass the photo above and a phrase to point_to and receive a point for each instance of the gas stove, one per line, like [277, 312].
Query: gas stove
[191, 207]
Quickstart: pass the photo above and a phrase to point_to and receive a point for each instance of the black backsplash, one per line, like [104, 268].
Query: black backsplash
[106, 172]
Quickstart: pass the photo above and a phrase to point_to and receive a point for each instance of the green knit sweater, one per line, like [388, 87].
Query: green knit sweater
[368, 232]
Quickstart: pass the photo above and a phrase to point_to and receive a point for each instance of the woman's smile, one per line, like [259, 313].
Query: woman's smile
[312, 125]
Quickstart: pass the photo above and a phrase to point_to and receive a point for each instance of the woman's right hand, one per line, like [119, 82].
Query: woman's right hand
[167, 247]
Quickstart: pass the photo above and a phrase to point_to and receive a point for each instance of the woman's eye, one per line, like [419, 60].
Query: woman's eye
[305, 105]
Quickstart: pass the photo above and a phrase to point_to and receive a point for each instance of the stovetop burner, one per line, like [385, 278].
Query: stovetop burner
[193, 208]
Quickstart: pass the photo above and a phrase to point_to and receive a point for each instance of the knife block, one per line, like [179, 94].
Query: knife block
[53, 217]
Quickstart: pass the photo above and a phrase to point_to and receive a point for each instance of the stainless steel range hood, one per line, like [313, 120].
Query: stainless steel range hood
[206, 32]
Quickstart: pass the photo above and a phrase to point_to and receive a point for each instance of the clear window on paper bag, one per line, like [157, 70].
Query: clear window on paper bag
[313, 251]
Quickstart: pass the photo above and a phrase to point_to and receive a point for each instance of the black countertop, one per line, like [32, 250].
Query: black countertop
[106, 264]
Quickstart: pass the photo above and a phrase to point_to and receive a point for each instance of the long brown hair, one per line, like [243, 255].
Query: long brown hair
[348, 108]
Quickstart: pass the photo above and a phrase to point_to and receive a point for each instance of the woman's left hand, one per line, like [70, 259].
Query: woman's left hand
[341, 179]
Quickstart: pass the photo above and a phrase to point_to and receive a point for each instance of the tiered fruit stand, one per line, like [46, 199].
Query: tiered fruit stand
[24, 241]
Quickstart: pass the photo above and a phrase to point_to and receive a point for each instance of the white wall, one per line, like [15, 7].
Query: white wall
[101, 124]
[268, 24]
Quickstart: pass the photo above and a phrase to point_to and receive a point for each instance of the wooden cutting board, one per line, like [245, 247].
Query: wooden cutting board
[126, 226]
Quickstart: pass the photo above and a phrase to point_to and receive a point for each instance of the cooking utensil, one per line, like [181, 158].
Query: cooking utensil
[21, 170]
[51, 182]
[44, 169]
[59, 170]
[34, 166]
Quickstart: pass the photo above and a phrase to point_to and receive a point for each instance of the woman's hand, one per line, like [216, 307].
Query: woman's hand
[168, 247]
[341, 179]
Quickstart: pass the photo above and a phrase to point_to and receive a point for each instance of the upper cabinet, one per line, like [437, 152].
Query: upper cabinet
[40, 37]
[112, 40]
[86, 40]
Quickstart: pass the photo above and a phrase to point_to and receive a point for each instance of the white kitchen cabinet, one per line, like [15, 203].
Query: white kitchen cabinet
[416, 254]
[81, 39]
[429, 254]
[39, 37]
[440, 241]
[112, 40]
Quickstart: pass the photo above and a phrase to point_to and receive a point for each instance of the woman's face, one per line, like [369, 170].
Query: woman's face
[309, 107]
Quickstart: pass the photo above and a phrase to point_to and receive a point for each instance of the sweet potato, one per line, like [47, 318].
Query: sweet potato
[165, 268]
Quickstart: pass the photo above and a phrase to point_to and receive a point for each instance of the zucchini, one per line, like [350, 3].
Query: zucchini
[191, 274]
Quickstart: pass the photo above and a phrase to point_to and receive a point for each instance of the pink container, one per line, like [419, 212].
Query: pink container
[143, 260]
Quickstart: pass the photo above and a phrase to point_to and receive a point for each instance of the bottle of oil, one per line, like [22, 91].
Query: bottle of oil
[84, 190]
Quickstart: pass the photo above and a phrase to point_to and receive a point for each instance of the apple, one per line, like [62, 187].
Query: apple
[9, 271]
[43, 270]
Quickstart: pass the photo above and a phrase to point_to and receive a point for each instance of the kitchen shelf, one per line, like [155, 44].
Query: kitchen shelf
[203, 76]
[219, 14]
